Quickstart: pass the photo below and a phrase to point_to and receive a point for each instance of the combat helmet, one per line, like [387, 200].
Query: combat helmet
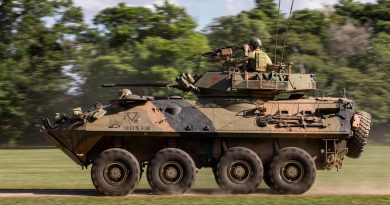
[255, 42]
[124, 93]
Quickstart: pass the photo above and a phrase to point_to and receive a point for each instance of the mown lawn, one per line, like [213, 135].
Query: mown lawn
[208, 200]
[49, 171]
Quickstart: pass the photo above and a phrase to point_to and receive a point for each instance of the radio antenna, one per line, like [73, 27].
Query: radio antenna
[288, 27]
[276, 32]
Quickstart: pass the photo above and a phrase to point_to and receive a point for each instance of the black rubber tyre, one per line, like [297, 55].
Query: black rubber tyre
[267, 177]
[171, 171]
[214, 169]
[239, 171]
[115, 172]
[292, 171]
[357, 142]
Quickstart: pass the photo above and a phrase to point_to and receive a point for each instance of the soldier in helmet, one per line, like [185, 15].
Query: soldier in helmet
[256, 59]
[124, 93]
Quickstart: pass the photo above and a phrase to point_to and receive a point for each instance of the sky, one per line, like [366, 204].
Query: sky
[203, 11]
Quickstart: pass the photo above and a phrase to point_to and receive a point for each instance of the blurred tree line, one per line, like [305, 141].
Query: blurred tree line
[51, 61]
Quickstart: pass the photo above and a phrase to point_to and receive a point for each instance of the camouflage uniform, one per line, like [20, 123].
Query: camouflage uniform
[257, 60]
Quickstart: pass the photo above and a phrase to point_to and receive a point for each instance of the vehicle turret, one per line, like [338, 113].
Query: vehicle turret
[235, 81]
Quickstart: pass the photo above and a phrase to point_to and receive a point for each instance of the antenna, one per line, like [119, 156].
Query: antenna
[344, 93]
[276, 31]
[288, 27]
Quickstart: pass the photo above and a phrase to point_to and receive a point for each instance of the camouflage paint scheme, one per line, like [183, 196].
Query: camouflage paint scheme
[239, 122]
[229, 112]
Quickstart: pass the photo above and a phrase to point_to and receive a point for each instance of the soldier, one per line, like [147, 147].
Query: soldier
[124, 93]
[256, 59]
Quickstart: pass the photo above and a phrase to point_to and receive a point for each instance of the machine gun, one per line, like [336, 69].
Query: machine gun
[222, 52]
[222, 55]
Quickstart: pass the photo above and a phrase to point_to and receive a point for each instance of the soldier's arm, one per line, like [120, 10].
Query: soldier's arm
[269, 61]
[270, 65]
[245, 58]
[239, 60]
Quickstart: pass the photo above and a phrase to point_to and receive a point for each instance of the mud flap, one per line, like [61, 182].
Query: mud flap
[63, 147]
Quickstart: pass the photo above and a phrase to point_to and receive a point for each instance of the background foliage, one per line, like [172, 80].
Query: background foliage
[50, 61]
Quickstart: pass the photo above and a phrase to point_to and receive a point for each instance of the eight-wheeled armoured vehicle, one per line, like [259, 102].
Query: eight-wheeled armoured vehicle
[249, 127]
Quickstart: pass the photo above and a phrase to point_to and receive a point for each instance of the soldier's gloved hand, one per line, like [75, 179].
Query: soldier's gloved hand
[245, 47]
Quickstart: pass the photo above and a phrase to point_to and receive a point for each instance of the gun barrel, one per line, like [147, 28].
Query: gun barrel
[215, 51]
[152, 85]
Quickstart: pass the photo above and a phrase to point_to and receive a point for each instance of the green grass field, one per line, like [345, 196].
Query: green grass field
[49, 171]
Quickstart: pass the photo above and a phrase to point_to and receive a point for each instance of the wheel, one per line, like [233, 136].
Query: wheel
[239, 170]
[292, 171]
[171, 171]
[115, 172]
[357, 142]
[267, 177]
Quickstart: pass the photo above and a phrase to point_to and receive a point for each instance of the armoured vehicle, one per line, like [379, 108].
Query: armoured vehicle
[248, 127]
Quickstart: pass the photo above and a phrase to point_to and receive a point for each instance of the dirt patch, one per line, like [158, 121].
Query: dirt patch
[195, 192]
[47, 192]
[349, 191]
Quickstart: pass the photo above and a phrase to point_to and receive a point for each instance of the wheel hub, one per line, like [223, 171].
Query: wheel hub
[239, 171]
[115, 173]
[292, 171]
[171, 172]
